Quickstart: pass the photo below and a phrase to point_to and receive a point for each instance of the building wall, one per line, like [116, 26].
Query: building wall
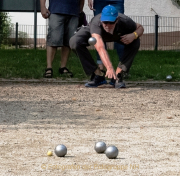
[166, 8]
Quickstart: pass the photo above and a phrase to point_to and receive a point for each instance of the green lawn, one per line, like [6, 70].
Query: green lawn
[155, 65]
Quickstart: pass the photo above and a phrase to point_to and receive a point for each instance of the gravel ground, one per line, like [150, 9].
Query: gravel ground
[143, 122]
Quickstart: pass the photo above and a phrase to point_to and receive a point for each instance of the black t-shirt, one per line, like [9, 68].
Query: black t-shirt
[125, 25]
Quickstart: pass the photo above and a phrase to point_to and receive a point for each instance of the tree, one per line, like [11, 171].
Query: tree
[5, 27]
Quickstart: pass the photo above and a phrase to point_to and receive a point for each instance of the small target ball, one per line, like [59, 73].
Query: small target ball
[92, 41]
[49, 153]
[168, 78]
[111, 152]
[60, 150]
[100, 147]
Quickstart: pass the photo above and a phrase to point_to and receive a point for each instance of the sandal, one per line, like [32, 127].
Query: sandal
[65, 71]
[48, 74]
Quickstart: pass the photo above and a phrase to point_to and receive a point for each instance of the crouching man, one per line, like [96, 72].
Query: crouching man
[109, 26]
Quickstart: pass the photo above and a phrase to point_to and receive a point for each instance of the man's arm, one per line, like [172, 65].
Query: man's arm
[100, 47]
[139, 29]
[129, 38]
[44, 11]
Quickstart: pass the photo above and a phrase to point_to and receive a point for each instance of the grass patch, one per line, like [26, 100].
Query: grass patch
[155, 65]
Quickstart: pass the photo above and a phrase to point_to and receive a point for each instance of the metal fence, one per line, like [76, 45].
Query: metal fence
[161, 33]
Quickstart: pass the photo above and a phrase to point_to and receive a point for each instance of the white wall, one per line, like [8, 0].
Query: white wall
[146, 8]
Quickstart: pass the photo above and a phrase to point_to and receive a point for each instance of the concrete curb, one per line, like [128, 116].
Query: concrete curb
[75, 81]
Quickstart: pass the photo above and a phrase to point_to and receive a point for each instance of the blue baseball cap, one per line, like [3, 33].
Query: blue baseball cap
[109, 13]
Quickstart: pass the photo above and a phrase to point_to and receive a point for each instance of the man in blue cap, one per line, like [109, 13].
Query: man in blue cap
[109, 26]
[97, 6]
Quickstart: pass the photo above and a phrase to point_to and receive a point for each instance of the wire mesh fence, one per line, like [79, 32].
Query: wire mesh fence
[23, 36]
[167, 38]
[169, 33]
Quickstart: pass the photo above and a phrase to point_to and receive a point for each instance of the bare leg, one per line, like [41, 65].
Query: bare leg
[65, 51]
[51, 51]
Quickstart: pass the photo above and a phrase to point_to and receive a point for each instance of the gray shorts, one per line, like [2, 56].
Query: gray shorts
[61, 29]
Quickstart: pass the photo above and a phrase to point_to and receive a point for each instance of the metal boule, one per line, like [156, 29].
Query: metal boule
[60, 150]
[111, 152]
[168, 78]
[92, 41]
[100, 147]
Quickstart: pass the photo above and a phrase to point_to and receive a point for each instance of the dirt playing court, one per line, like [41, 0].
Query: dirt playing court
[142, 121]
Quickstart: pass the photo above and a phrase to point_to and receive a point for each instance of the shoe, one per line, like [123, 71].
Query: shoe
[97, 81]
[112, 82]
[48, 74]
[65, 71]
[120, 77]
[119, 83]
[93, 75]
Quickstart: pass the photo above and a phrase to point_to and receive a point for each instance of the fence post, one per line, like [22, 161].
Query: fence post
[35, 23]
[156, 32]
[16, 36]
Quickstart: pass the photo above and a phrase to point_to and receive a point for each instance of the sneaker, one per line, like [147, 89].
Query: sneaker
[120, 77]
[97, 81]
[112, 82]
[93, 75]
[119, 83]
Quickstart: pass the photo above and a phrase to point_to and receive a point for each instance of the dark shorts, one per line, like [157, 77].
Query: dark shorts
[61, 29]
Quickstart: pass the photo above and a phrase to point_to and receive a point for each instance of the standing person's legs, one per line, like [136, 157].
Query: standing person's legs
[61, 29]
[119, 5]
[98, 5]
[50, 51]
[70, 26]
[54, 39]
[65, 51]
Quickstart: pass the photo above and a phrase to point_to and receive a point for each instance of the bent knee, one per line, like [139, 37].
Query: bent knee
[73, 42]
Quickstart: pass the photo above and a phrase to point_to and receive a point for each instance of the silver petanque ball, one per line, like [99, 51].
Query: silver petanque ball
[168, 78]
[60, 150]
[92, 41]
[111, 152]
[100, 147]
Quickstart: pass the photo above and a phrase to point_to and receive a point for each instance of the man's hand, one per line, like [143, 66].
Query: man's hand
[110, 73]
[45, 12]
[127, 39]
[90, 4]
